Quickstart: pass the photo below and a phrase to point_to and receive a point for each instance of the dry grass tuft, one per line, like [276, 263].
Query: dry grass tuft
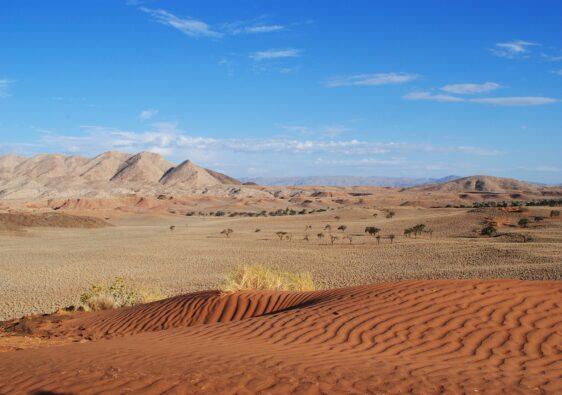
[117, 294]
[259, 277]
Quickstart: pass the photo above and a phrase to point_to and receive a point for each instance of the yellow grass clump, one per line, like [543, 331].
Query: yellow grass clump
[259, 277]
[118, 294]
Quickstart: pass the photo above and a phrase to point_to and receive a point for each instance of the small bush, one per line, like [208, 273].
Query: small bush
[117, 294]
[554, 213]
[523, 222]
[488, 230]
[259, 277]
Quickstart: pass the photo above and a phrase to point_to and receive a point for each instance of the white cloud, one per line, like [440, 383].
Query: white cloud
[432, 97]
[516, 100]
[262, 28]
[469, 89]
[167, 139]
[558, 72]
[371, 79]
[512, 49]
[147, 114]
[189, 26]
[275, 54]
[499, 101]
[4, 86]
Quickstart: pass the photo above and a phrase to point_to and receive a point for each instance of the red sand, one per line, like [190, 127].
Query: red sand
[445, 336]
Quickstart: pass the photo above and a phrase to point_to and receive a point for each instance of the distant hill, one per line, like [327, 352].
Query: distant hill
[55, 175]
[345, 181]
[480, 183]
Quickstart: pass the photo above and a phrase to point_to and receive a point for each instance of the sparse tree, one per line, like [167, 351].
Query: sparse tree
[288, 237]
[227, 232]
[523, 222]
[372, 230]
[408, 232]
[391, 237]
[257, 230]
[328, 228]
[349, 238]
[320, 236]
[488, 230]
[378, 237]
[307, 227]
[337, 217]
[305, 238]
[554, 213]
[333, 238]
[172, 227]
[375, 214]
[418, 229]
[390, 214]
[342, 228]
[281, 234]
[538, 218]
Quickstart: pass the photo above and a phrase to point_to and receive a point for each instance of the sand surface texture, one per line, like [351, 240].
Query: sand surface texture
[425, 336]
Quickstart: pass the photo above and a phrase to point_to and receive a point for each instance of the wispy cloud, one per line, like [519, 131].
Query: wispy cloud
[513, 49]
[370, 79]
[4, 87]
[263, 28]
[469, 89]
[197, 28]
[251, 27]
[558, 72]
[275, 54]
[432, 97]
[516, 100]
[147, 114]
[512, 101]
[189, 26]
[168, 139]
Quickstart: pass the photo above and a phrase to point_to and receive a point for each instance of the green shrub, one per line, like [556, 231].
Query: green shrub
[117, 294]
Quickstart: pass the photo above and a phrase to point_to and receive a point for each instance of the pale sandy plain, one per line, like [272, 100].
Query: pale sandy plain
[44, 269]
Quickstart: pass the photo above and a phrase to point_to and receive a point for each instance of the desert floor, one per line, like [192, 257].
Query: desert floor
[43, 269]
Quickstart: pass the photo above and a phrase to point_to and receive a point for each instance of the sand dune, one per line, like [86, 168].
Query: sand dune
[412, 336]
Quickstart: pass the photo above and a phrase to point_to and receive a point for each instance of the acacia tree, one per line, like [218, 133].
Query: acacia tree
[342, 228]
[281, 234]
[172, 227]
[372, 230]
[227, 232]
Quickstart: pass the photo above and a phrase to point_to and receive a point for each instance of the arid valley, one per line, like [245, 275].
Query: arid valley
[355, 242]
[280, 197]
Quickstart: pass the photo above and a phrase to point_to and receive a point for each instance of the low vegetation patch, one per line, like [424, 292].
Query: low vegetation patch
[119, 293]
[259, 277]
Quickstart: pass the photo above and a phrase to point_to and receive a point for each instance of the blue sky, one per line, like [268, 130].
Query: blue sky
[284, 88]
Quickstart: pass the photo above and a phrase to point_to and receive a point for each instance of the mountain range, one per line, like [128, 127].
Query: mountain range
[346, 181]
[48, 175]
